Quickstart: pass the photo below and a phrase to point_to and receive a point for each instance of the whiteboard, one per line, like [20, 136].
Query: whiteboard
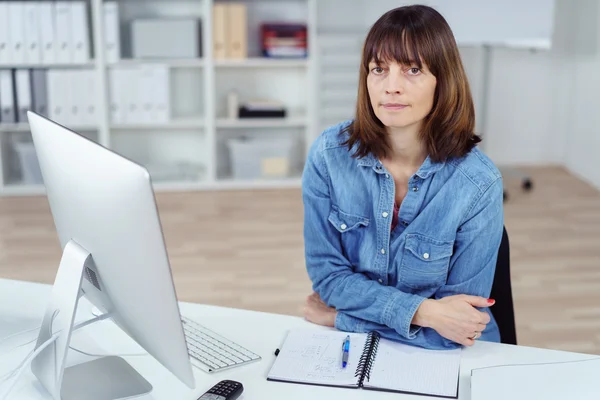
[505, 23]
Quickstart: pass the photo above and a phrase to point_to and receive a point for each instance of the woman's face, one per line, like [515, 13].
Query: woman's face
[401, 95]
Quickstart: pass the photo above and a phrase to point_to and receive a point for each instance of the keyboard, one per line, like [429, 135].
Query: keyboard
[212, 352]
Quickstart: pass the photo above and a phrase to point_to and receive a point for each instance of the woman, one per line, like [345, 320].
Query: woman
[403, 214]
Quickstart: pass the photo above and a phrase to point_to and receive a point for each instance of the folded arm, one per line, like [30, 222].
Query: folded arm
[333, 279]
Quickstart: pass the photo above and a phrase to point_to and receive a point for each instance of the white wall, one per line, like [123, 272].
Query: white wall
[582, 150]
[529, 96]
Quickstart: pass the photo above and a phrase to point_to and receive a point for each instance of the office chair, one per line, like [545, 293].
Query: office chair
[503, 311]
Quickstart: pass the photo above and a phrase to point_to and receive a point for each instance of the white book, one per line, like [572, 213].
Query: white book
[31, 23]
[47, 32]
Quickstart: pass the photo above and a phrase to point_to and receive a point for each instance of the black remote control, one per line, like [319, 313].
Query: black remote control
[224, 390]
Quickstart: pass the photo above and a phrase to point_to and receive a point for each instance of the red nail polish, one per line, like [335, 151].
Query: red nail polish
[491, 301]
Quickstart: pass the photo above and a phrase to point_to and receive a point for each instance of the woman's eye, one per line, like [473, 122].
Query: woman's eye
[377, 70]
[414, 71]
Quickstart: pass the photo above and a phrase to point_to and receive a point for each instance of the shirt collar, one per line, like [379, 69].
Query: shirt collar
[427, 168]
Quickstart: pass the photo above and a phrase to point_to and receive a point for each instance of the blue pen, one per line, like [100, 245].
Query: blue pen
[345, 351]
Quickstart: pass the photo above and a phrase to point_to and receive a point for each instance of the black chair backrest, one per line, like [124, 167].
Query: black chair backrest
[503, 310]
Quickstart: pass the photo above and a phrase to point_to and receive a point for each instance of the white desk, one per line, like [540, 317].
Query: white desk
[22, 305]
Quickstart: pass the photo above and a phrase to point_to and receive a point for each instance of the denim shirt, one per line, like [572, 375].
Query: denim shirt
[445, 243]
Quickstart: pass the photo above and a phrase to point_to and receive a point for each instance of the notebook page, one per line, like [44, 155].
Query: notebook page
[313, 356]
[404, 368]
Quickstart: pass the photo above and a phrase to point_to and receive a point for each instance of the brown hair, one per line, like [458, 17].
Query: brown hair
[417, 34]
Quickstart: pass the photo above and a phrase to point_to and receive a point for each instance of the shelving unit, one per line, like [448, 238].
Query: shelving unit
[196, 135]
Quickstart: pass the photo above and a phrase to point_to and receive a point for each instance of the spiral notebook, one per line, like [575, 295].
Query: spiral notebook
[314, 357]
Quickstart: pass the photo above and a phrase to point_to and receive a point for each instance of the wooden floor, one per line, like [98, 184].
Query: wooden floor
[244, 249]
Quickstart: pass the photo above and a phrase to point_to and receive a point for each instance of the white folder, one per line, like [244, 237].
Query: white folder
[47, 32]
[16, 17]
[7, 105]
[23, 85]
[146, 93]
[62, 22]
[80, 39]
[162, 94]
[59, 96]
[88, 98]
[129, 89]
[4, 34]
[31, 23]
[117, 103]
[111, 32]
[75, 114]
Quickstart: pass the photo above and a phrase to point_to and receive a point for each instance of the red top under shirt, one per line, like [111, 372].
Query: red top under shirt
[395, 216]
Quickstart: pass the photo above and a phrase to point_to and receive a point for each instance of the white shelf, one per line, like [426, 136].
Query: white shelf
[86, 65]
[173, 63]
[263, 62]
[24, 127]
[197, 96]
[262, 122]
[195, 123]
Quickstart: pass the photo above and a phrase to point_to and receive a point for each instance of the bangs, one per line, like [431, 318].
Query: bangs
[403, 43]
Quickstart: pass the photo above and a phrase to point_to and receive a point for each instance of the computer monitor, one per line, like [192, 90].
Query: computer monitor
[114, 254]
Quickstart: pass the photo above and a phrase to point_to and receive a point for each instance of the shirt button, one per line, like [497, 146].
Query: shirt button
[384, 214]
[415, 189]
[426, 256]
[380, 280]
[343, 226]
[387, 175]
[382, 251]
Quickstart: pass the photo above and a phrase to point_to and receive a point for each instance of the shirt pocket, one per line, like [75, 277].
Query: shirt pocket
[352, 228]
[425, 262]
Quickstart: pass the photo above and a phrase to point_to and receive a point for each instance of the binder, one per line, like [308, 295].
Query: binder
[4, 34]
[32, 33]
[146, 96]
[219, 31]
[23, 88]
[59, 95]
[62, 22]
[314, 357]
[40, 91]
[88, 98]
[79, 30]
[118, 102]
[74, 90]
[16, 17]
[111, 31]
[47, 32]
[7, 97]
[236, 37]
[162, 94]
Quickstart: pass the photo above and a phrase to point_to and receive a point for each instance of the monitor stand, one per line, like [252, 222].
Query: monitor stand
[105, 378]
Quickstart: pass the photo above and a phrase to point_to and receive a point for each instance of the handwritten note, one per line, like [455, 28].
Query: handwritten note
[316, 357]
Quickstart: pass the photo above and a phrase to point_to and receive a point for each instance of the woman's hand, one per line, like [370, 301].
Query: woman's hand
[316, 311]
[455, 317]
